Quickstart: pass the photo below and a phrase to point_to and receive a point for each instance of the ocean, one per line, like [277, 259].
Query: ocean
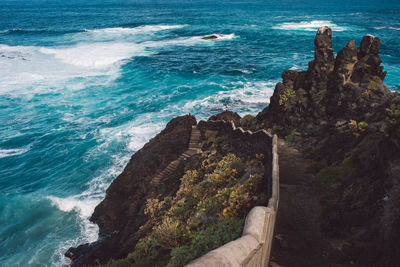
[84, 84]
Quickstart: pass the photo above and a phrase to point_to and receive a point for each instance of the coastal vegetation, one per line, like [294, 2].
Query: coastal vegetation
[207, 211]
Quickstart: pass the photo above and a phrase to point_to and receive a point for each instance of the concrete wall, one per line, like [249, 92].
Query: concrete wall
[253, 248]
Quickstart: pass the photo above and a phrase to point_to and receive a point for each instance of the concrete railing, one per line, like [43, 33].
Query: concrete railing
[253, 248]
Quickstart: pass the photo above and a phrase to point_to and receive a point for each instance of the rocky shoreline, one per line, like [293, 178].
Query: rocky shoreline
[338, 112]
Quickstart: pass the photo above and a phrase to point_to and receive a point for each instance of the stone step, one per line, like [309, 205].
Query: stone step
[193, 147]
[195, 144]
[169, 167]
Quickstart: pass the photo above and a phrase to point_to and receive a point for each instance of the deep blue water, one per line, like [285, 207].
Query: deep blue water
[84, 85]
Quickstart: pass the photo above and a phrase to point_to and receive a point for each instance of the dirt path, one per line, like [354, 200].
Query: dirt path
[298, 238]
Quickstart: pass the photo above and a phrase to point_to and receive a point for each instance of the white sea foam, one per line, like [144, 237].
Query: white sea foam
[136, 30]
[84, 204]
[189, 41]
[29, 70]
[96, 55]
[33, 69]
[308, 26]
[26, 70]
[295, 67]
[126, 34]
[223, 36]
[136, 133]
[242, 97]
[389, 28]
[4, 153]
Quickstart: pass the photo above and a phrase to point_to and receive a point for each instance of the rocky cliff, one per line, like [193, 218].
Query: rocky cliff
[121, 213]
[342, 115]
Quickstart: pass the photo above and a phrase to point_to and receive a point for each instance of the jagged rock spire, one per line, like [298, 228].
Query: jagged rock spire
[323, 48]
[345, 60]
[369, 62]
[369, 45]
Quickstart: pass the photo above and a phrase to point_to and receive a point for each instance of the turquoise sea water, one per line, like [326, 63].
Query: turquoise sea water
[84, 85]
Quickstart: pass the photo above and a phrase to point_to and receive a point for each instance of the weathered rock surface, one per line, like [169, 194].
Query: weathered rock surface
[314, 108]
[227, 116]
[348, 87]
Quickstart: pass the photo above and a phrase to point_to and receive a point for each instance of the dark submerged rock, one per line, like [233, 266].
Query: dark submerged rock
[210, 37]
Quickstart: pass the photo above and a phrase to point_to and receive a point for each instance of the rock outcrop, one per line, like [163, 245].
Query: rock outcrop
[226, 116]
[338, 113]
[331, 90]
[120, 214]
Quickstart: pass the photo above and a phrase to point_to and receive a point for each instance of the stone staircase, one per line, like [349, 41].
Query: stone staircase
[194, 148]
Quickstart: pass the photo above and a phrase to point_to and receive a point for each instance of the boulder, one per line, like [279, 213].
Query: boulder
[226, 116]
[210, 37]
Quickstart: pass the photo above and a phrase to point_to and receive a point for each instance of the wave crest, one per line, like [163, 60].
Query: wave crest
[96, 55]
[308, 26]
[4, 153]
[136, 30]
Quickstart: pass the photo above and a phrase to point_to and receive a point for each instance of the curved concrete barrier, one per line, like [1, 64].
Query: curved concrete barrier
[253, 248]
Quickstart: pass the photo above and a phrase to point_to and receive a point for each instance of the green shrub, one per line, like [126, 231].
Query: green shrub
[248, 118]
[225, 229]
[286, 95]
[392, 122]
[166, 233]
[219, 140]
[357, 127]
[239, 166]
[207, 211]
[333, 176]
[373, 85]
[289, 138]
